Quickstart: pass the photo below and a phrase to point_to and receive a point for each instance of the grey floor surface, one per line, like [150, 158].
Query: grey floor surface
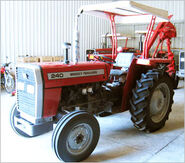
[119, 140]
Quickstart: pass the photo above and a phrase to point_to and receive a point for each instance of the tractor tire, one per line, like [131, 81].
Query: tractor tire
[151, 101]
[75, 136]
[59, 123]
[14, 113]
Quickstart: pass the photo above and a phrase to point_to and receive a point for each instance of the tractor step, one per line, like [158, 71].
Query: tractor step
[104, 114]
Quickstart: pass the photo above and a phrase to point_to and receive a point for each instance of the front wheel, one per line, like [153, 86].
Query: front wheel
[9, 83]
[75, 136]
[151, 101]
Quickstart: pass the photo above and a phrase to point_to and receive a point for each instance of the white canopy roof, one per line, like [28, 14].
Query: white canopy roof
[126, 12]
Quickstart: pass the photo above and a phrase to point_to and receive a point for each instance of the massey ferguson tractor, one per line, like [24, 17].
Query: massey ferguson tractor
[70, 94]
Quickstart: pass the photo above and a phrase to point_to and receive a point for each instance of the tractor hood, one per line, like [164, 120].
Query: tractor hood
[60, 74]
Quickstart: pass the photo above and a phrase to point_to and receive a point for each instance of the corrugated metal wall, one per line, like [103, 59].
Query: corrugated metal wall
[174, 7]
[38, 28]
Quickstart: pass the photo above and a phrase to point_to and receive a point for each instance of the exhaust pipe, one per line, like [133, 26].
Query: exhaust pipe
[76, 38]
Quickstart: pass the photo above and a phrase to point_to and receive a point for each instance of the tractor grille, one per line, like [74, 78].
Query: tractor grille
[26, 100]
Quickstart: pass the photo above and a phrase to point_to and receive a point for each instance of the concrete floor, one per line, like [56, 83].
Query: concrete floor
[119, 140]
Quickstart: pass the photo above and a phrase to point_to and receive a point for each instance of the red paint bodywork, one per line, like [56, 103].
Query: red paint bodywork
[165, 31]
[53, 88]
[109, 50]
[130, 80]
[104, 51]
[62, 67]
[51, 101]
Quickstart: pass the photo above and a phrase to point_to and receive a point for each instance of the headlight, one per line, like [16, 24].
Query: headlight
[20, 86]
[30, 89]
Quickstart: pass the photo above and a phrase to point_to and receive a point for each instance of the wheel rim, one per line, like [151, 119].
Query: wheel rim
[159, 102]
[79, 139]
[9, 85]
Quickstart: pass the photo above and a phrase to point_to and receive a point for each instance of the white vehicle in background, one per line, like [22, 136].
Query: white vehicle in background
[180, 72]
[179, 62]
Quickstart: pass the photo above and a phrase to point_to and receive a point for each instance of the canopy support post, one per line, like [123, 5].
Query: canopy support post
[147, 38]
[114, 36]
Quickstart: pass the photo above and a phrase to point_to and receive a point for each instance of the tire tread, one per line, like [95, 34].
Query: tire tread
[140, 99]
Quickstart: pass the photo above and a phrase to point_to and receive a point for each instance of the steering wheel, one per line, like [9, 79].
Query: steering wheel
[104, 58]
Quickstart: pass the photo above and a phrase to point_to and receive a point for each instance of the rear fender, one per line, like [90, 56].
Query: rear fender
[134, 74]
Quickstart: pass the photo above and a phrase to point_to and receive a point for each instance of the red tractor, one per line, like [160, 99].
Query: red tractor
[69, 94]
[107, 52]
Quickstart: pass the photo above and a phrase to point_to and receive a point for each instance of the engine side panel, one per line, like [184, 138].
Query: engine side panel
[57, 75]
[51, 101]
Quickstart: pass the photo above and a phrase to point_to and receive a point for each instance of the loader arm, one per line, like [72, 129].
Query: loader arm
[165, 31]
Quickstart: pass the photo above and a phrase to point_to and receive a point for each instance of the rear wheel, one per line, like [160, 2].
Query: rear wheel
[75, 136]
[151, 101]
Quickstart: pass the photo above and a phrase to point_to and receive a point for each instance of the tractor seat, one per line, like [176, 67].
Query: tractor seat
[123, 60]
[117, 72]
